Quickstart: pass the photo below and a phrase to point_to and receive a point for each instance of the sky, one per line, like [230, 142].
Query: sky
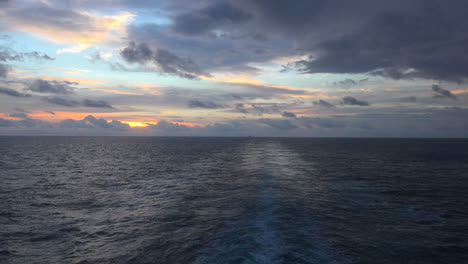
[303, 68]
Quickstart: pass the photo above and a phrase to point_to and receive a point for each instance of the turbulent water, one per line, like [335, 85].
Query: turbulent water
[233, 200]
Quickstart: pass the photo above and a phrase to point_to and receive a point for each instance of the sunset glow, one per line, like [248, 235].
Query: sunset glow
[230, 68]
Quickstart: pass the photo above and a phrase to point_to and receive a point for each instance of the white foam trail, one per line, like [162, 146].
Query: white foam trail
[258, 240]
[270, 244]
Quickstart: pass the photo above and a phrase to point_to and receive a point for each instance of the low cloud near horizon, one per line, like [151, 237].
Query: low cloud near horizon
[361, 68]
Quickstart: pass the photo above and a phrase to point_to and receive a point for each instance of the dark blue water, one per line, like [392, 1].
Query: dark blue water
[233, 200]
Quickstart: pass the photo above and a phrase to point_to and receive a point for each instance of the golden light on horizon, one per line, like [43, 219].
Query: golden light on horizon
[138, 124]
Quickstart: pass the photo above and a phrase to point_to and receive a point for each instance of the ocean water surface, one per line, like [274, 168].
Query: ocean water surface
[233, 200]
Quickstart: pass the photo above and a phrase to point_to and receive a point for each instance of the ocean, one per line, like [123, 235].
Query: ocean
[233, 200]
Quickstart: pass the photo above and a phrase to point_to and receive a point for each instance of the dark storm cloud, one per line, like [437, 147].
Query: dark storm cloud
[214, 16]
[204, 104]
[96, 103]
[172, 64]
[288, 115]
[226, 51]
[294, 17]
[323, 103]
[62, 101]
[137, 53]
[417, 39]
[11, 92]
[396, 39]
[440, 92]
[53, 87]
[349, 100]
[166, 61]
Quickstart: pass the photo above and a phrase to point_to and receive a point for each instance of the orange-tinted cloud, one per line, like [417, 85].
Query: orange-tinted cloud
[460, 91]
[138, 123]
[77, 28]
[133, 121]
